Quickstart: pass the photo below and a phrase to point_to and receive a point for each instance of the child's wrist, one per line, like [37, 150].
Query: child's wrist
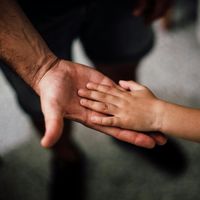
[160, 108]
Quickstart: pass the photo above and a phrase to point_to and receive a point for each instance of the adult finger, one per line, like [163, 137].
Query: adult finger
[132, 137]
[160, 138]
[137, 138]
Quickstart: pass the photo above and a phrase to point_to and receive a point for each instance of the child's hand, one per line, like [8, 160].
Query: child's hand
[136, 109]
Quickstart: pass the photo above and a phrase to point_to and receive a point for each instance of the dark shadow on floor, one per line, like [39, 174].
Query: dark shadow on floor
[25, 175]
[170, 158]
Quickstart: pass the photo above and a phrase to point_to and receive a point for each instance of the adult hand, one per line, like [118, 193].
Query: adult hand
[151, 9]
[58, 90]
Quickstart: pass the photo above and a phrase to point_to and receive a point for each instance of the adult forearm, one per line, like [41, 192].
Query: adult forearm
[181, 122]
[21, 46]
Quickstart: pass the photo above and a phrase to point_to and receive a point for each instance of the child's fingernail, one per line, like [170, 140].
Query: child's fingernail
[121, 81]
[89, 85]
[81, 91]
[82, 101]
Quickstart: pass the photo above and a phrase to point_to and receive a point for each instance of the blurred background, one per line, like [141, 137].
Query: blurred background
[114, 170]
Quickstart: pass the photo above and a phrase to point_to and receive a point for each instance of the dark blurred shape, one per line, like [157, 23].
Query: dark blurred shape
[1, 162]
[68, 176]
[67, 179]
[169, 158]
[182, 13]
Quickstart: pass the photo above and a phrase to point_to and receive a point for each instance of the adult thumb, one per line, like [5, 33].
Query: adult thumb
[53, 125]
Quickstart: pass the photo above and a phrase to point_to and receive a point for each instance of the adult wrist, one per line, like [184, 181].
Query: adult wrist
[44, 65]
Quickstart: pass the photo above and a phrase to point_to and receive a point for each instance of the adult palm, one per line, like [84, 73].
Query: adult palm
[58, 90]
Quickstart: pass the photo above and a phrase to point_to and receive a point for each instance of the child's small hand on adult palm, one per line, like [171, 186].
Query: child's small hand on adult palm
[136, 109]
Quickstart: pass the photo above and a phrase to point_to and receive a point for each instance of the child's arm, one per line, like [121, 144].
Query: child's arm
[140, 110]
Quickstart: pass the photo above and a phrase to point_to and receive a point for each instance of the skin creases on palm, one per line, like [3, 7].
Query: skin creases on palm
[83, 75]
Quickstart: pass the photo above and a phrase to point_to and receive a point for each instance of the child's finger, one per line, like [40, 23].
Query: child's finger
[98, 106]
[115, 91]
[99, 96]
[120, 88]
[106, 121]
[130, 85]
